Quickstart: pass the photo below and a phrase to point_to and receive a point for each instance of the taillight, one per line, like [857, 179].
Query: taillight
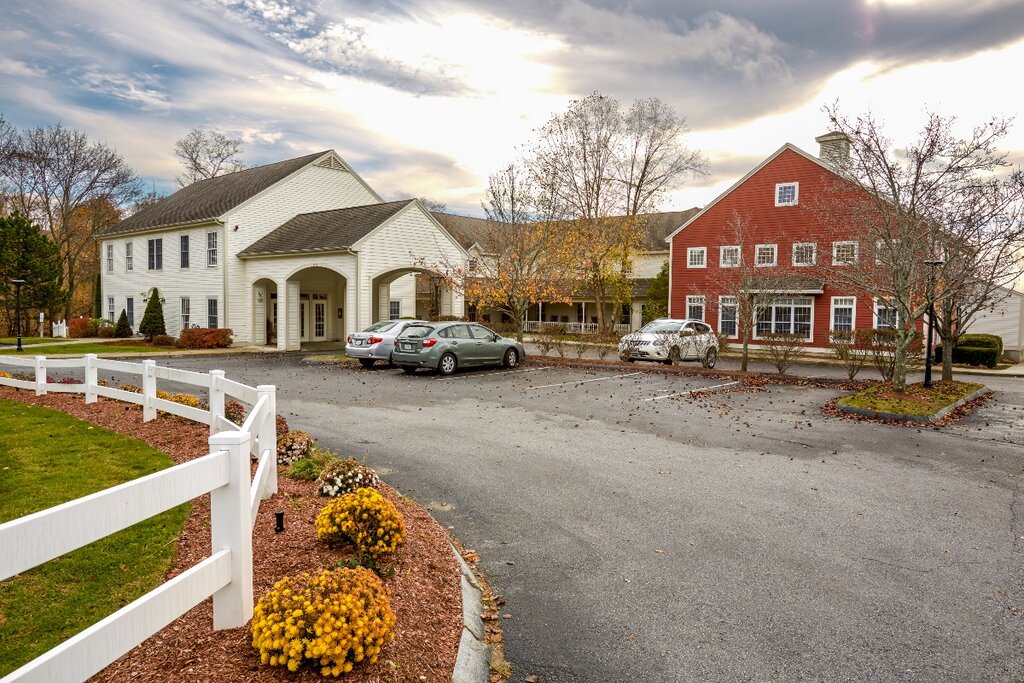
[427, 343]
[375, 340]
[349, 340]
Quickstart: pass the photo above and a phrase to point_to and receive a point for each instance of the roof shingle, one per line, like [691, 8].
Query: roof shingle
[208, 199]
[330, 230]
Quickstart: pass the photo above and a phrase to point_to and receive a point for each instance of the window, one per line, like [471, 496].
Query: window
[211, 314]
[727, 316]
[128, 260]
[695, 307]
[843, 313]
[624, 314]
[886, 318]
[110, 306]
[787, 194]
[129, 307]
[791, 315]
[156, 254]
[696, 257]
[844, 253]
[110, 258]
[395, 311]
[211, 249]
[183, 251]
[186, 313]
[764, 255]
[474, 264]
[459, 332]
[728, 257]
[481, 332]
[805, 254]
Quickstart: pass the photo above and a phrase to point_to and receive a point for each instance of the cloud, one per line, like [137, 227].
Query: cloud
[141, 89]
[19, 69]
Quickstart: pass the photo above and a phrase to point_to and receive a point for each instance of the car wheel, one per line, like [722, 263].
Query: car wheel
[710, 358]
[447, 364]
[391, 360]
[408, 369]
[511, 359]
[366, 362]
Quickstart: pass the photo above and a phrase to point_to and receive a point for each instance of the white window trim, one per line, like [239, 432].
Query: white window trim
[874, 314]
[153, 241]
[187, 253]
[721, 256]
[693, 300]
[832, 313]
[810, 340]
[217, 301]
[215, 251]
[110, 258]
[111, 309]
[703, 251]
[736, 304]
[856, 252]
[129, 257]
[183, 303]
[796, 193]
[775, 256]
[390, 304]
[814, 254]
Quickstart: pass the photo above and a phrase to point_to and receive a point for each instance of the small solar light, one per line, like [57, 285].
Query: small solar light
[279, 518]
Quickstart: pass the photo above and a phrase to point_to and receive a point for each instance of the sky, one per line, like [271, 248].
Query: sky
[428, 98]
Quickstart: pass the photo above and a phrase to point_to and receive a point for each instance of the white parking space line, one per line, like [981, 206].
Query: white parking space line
[692, 391]
[490, 374]
[584, 381]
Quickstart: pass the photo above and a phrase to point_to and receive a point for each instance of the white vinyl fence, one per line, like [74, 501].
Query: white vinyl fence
[223, 473]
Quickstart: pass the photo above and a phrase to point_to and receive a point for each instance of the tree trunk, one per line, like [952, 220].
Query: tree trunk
[746, 349]
[899, 373]
[948, 346]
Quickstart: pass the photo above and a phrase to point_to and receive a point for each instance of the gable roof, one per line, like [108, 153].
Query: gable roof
[206, 200]
[790, 146]
[470, 231]
[331, 230]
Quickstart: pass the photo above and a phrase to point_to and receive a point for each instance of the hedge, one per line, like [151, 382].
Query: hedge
[982, 341]
[205, 338]
[971, 355]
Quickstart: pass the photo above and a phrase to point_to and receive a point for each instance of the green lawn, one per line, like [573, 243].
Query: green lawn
[81, 349]
[26, 341]
[47, 458]
[915, 401]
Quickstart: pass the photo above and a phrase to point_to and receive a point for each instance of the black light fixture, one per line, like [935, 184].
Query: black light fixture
[279, 521]
[17, 309]
[932, 265]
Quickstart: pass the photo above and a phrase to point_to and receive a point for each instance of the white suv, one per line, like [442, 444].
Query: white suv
[668, 340]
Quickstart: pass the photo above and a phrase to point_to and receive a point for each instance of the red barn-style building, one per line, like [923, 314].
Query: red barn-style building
[781, 238]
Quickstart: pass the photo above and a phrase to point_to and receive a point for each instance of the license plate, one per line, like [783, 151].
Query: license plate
[407, 347]
[357, 342]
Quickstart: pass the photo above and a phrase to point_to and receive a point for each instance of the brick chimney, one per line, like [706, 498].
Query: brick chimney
[834, 147]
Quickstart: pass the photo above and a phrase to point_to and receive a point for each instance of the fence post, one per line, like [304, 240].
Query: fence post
[90, 378]
[40, 375]
[267, 436]
[231, 528]
[148, 390]
[216, 400]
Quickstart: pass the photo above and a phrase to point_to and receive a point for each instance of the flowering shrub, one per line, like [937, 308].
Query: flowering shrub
[160, 393]
[69, 380]
[366, 519]
[345, 476]
[205, 338]
[186, 400]
[234, 411]
[130, 388]
[282, 425]
[330, 621]
[5, 375]
[293, 445]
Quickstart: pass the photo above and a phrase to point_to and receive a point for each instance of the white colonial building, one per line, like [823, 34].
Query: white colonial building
[296, 251]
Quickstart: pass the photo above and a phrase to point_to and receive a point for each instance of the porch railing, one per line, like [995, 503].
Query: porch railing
[573, 328]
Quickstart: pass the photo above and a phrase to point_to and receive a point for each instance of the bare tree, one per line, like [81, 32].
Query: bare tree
[207, 154]
[433, 206]
[601, 169]
[928, 215]
[52, 175]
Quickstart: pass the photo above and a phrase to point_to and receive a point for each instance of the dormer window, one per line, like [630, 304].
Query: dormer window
[787, 194]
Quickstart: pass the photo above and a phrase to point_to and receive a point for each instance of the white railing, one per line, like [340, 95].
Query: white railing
[573, 328]
[226, 575]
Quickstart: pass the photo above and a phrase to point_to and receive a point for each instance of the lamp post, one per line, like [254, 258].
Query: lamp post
[932, 264]
[17, 309]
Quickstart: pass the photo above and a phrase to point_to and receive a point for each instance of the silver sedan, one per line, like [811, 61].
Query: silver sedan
[376, 342]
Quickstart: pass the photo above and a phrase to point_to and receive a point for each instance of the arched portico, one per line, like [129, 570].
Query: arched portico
[425, 288]
[308, 305]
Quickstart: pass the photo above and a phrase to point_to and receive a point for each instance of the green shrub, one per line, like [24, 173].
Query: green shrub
[345, 476]
[122, 329]
[982, 341]
[971, 355]
[310, 467]
[293, 446]
[152, 323]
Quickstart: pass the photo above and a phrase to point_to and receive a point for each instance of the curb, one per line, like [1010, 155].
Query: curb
[473, 662]
[923, 419]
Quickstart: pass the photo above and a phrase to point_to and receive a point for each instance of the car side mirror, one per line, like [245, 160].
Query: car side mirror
[496, 337]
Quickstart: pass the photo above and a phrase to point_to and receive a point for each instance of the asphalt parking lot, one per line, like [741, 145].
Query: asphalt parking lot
[660, 528]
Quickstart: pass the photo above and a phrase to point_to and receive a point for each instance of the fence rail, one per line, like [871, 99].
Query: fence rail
[226, 575]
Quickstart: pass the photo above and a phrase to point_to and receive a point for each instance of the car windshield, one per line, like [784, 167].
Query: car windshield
[381, 326]
[661, 327]
[416, 332]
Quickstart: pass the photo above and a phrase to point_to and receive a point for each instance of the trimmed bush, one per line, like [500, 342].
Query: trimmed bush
[163, 340]
[982, 341]
[971, 355]
[345, 476]
[366, 519]
[292, 446]
[122, 329]
[205, 338]
[329, 621]
[82, 327]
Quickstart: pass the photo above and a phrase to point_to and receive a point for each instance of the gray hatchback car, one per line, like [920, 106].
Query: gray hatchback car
[447, 346]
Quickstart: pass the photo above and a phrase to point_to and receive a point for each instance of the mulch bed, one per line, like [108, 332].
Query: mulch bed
[425, 587]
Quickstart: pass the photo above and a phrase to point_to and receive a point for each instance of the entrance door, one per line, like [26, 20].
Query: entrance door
[319, 320]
